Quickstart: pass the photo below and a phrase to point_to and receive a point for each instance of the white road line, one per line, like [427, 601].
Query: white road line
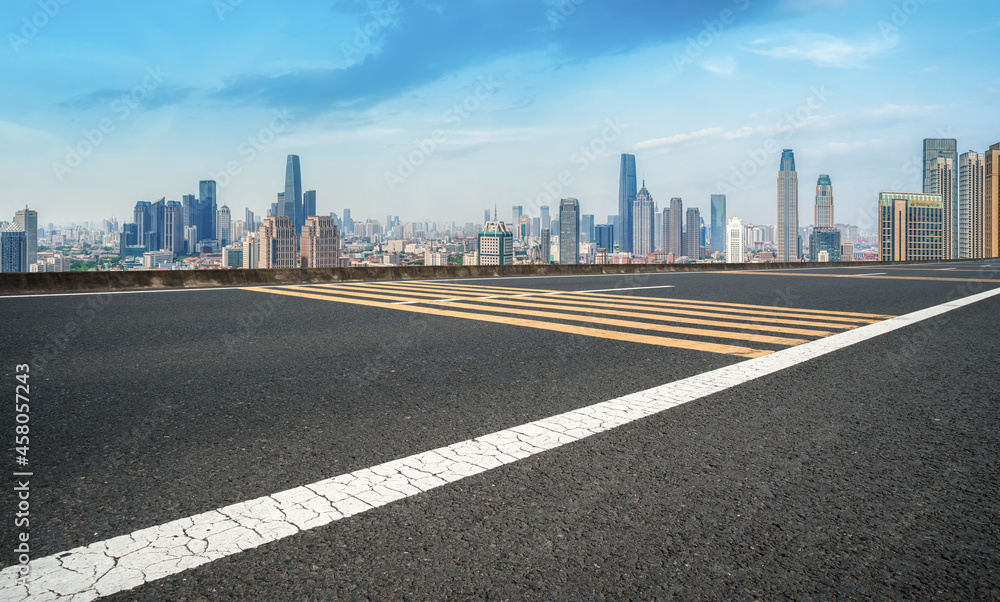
[128, 561]
[631, 288]
[946, 269]
[859, 275]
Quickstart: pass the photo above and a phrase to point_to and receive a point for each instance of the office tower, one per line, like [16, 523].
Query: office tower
[191, 239]
[991, 202]
[496, 244]
[719, 225]
[224, 232]
[616, 230]
[308, 204]
[643, 223]
[942, 179]
[569, 231]
[348, 224]
[536, 227]
[545, 247]
[604, 236]
[942, 148]
[293, 193]
[657, 229]
[911, 226]
[249, 221]
[28, 220]
[627, 191]
[673, 222]
[788, 208]
[518, 211]
[142, 218]
[546, 218]
[665, 226]
[971, 170]
[276, 239]
[692, 238]
[735, 241]
[523, 227]
[205, 209]
[486, 216]
[13, 249]
[320, 243]
[587, 228]
[824, 240]
[251, 253]
[847, 251]
[173, 228]
[824, 203]
[128, 238]
[239, 230]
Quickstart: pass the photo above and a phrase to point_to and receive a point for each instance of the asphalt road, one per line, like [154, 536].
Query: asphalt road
[869, 473]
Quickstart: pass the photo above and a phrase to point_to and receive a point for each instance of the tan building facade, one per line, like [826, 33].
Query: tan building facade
[991, 202]
[276, 243]
[911, 226]
[320, 243]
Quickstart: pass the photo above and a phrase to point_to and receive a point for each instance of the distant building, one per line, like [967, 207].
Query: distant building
[569, 231]
[735, 241]
[673, 228]
[604, 236]
[942, 148]
[587, 228]
[496, 244]
[28, 220]
[173, 228]
[942, 172]
[643, 223]
[152, 260]
[991, 202]
[319, 243]
[788, 209]
[517, 212]
[911, 226]
[224, 228]
[546, 218]
[232, 256]
[824, 203]
[309, 204]
[627, 191]
[825, 240]
[692, 237]
[292, 199]
[847, 251]
[545, 246]
[276, 243]
[718, 220]
[13, 249]
[971, 211]
[251, 254]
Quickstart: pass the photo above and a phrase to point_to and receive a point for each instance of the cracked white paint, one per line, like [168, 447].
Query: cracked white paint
[121, 563]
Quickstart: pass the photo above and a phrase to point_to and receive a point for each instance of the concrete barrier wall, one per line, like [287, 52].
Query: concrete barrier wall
[65, 282]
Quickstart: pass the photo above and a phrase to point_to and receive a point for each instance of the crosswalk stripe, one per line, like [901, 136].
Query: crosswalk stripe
[562, 296]
[738, 351]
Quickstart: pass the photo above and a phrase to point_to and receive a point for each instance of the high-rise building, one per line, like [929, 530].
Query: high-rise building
[942, 182]
[496, 244]
[971, 171]
[486, 216]
[942, 148]
[604, 236]
[657, 228]
[788, 208]
[735, 241]
[991, 202]
[546, 218]
[202, 213]
[191, 239]
[293, 193]
[587, 228]
[673, 234]
[224, 229]
[643, 223]
[276, 243]
[517, 212]
[627, 191]
[824, 203]
[13, 249]
[911, 226]
[173, 228]
[320, 244]
[569, 231]
[692, 237]
[545, 246]
[251, 253]
[718, 219]
[142, 218]
[28, 220]
[824, 240]
[309, 204]
[249, 221]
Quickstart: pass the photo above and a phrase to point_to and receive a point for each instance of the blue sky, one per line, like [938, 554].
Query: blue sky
[439, 109]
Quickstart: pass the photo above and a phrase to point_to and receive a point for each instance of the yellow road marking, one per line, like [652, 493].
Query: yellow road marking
[745, 352]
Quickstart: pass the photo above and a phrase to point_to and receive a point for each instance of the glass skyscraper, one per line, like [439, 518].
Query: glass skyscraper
[309, 205]
[718, 219]
[643, 223]
[627, 191]
[788, 208]
[569, 231]
[293, 194]
[13, 249]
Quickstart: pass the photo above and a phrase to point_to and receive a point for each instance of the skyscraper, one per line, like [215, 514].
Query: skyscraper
[692, 236]
[569, 231]
[201, 212]
[309, 204]
[276, 243]
[643, 223]
[824, 240]
[673, 222]
[13, 249]
[587, 228]
[249, 221]
[944, 148]
[224, 232]
[824, 203]
[627, 191]
[142, 217]
[604, 236]
[28, 220]
[942, 182]
[718, 219]
[546, 219]
[545, 246]
[496, 244]
[735, 241]
[517, 212]
[293, 193]
[788, 208]
[971, 170]
[173, 228]
[991, 202]
[911, 226]
[320, 244]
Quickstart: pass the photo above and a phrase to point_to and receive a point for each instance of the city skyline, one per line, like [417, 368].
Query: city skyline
[843, 82]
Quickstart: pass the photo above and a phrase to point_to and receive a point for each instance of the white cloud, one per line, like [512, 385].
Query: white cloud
[677, 139]
[826, 50]
[725, 67]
